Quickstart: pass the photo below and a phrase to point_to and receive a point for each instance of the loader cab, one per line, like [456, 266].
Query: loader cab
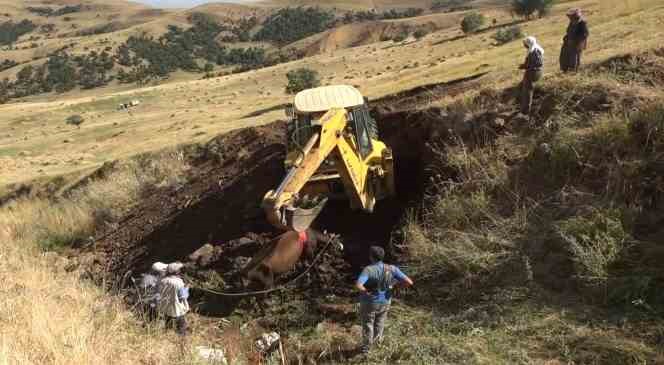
[310, 105]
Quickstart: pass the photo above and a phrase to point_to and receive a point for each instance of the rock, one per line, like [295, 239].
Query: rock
[68, 140]
[211, 355]
[245, 241]
[267, 342]
[544, 149]
[240, 262]
[203, 256]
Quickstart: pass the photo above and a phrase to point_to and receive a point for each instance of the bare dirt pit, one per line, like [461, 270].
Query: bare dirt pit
[221, 207]
[217, 216]
[215, 224]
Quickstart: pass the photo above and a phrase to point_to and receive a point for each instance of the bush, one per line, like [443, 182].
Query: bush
[528, 8]
[10, 31]
[595, 240]
[301, 79]
[402, 36]
[420, 33]
[448, 4]
[7, 64]
[647, 128]
[472, 22]
[291, 24]
[509, 34]
[76, 120]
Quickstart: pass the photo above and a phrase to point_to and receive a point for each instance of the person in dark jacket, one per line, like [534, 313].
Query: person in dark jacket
[574, 42]
[533, 73]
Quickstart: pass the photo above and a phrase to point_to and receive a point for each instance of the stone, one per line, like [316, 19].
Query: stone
[211, 355]
[203, 256]
[245, 241]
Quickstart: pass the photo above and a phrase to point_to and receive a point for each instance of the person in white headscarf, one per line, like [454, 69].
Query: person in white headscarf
[533, 66]
[148, 289]
[174, 294]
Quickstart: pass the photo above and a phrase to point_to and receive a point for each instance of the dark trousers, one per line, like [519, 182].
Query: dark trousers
[180, 324]
[570, 57]
[528, 89]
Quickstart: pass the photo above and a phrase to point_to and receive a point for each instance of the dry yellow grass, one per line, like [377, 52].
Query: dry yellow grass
[48, 315]
[186, 110]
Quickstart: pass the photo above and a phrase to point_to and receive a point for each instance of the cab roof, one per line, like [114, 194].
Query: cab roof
[325, 98]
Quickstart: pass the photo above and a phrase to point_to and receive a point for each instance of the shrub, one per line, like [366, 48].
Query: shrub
[595, 241]
[509, 34]
[301, 79]
[647, 128]
[402, 36]
[291, 24]
[528, 8]
[420, 33]
[76, 120]
[472, 22]
[7, 64]
[10, 31]
[447, 4]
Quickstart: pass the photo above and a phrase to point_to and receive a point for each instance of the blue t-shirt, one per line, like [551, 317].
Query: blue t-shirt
[378, 279]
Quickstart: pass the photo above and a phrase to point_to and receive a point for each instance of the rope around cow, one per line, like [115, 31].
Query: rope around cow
[278, 288]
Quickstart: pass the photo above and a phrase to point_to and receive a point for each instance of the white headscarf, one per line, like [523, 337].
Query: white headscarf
[531, 43]
[159, 267]
[174, 268]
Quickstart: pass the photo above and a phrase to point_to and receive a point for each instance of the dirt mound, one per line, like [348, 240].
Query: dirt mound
[215, 223]
[220, 203]
[646, 68]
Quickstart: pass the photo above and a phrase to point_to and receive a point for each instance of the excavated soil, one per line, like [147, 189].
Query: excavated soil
[215, 224]
[220, 206]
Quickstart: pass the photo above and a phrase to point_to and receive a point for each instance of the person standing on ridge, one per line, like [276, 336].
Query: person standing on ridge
[375, 284]
[174, 294]
[533, 72]
[574, 42]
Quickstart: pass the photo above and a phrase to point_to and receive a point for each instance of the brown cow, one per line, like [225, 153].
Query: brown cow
[280, 256]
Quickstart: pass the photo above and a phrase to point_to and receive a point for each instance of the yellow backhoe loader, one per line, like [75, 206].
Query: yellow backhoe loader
[333, 152]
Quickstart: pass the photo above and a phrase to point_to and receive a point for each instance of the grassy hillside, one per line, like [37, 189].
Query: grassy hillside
[36, 141]
[536, 242]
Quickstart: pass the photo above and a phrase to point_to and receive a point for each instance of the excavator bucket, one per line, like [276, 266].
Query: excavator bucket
[297, 217]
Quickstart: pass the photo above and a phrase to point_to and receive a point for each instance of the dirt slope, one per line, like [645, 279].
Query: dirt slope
[221, 204]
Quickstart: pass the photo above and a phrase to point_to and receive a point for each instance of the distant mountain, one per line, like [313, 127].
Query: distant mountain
[184, 3]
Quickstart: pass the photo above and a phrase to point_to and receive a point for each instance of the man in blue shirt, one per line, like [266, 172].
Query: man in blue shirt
[375, 284]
